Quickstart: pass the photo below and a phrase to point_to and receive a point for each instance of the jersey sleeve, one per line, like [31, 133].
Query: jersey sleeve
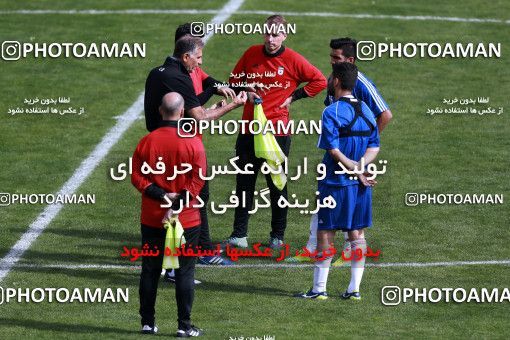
[198, 161]
[307, 73]
[184, 86]
[328, 139]
[373, 140]
[367, 92]
[138, 179]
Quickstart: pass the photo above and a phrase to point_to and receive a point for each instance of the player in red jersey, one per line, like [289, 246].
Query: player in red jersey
[276, 71]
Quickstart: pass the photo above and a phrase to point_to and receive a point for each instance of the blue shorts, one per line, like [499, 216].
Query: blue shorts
[363, 211]
[353, 209]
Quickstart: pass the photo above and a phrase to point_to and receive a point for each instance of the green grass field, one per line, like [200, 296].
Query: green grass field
[465, 154]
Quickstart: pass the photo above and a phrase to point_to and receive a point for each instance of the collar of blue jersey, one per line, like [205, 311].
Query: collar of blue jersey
[333, 100]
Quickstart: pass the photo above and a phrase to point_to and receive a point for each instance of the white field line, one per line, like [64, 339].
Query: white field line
[87, 167]
[271, 265]
[260, 12]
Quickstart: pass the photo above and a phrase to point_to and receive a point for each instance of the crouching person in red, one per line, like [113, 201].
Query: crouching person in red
[165, 145]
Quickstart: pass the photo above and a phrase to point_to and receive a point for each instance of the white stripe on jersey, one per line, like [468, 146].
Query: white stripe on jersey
[378, 100]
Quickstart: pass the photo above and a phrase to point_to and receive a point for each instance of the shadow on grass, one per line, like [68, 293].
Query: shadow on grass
[62, 327]
[133, 236]
[128, 277]
[238, 287]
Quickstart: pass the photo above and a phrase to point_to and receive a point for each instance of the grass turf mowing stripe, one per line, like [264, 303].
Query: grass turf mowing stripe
[261, 12]
[89, 165]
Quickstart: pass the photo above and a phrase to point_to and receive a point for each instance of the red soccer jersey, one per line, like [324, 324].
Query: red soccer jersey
[166, 143]
[197, 77]
[281, 74]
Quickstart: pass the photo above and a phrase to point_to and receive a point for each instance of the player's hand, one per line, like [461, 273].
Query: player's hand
[172, 196]
[365, 181]
[218, 104]
[286, 103]
[168, 215]
[252, 96]
[226, 92]
[240, 99]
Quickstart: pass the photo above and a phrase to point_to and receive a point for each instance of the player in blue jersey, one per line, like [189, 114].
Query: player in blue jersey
[344, 50]
[349, 133]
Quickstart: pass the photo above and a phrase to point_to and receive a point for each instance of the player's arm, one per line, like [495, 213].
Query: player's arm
[194, 185]
[142, 182]
[306, 73]
[199, 164]
[383, 119]
[371, 96]
[239, 77]
[216, 86]
[192, 104]
[211, 87]
[339, 157]
[370, 156]
[209, 91]
[199, 113]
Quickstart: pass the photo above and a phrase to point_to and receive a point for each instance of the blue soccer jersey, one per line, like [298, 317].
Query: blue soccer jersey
[365, 91]
[335, 118]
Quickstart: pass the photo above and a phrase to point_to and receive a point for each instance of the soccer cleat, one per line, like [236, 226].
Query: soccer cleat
[240, 242]
[299, 259]
[191, 332]
[275, 243]
[146, 329]
[347, 254]
[312, 295]
[170, 277]
[351, 296]
[340, 263]
[214, 261]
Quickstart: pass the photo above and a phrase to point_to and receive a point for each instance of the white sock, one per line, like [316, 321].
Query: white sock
[311, 245]
[320, 275]
[346, 236]
[346, 249]
[347, 245]
[357, 267]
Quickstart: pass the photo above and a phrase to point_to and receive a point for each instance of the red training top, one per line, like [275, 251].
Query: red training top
[197, 77]
[281, 73]
[166, 143]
